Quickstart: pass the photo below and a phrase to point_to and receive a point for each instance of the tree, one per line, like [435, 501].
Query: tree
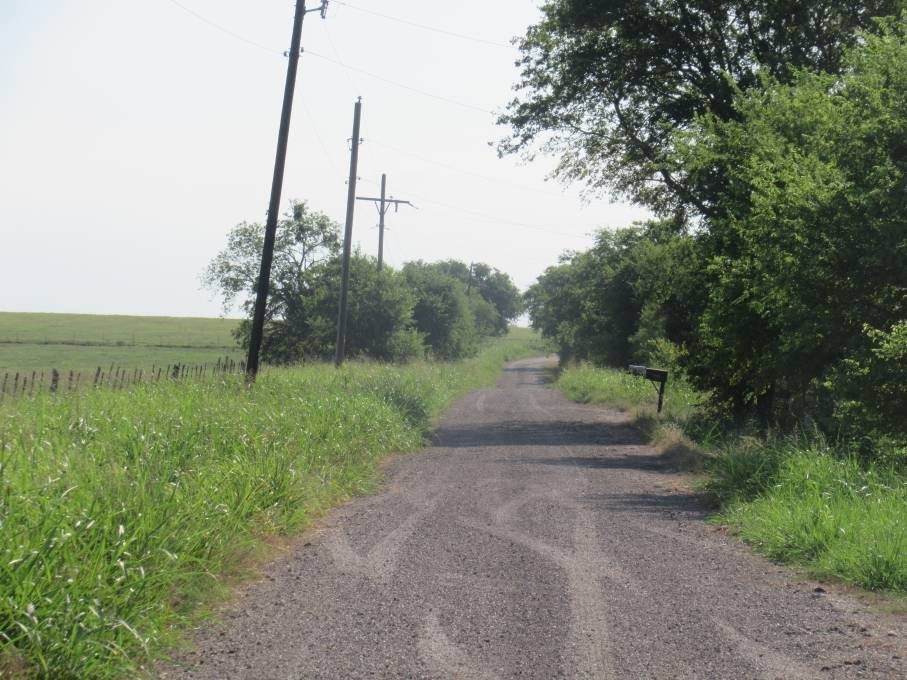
[305, 240]
[606, 83]
[610, 304]
[491, 285]
[442, 312]
[811, 241]
[380, 321]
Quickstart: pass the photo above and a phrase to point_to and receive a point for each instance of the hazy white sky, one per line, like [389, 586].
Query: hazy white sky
[135, 133]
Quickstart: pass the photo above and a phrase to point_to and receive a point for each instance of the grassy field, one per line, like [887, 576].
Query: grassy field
[797, 500]
[82, 342]
[125, 513]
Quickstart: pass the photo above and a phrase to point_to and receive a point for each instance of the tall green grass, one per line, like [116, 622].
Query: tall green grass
[817, 506]
[589, 384]
[793, 498]
[121, 513]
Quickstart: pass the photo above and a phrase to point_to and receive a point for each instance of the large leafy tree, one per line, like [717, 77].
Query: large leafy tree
[380, 321]
[811, 244]
[613, 303]
[442, 311]
[493, 287]
[606, 83]
[305, 240]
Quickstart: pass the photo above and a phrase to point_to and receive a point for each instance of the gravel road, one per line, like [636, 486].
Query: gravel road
[536, 539]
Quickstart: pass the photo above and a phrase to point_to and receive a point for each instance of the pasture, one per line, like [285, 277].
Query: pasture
[82, 342]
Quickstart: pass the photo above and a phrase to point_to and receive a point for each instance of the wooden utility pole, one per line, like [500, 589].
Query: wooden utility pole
[340, 350]
[267, 255]
[382, 210]
[383, 204]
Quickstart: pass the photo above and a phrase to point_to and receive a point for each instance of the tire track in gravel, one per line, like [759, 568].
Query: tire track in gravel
[535, 539]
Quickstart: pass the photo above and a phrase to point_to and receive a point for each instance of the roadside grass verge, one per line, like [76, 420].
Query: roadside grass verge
[588, 384]
[795, 499]
[123, 515]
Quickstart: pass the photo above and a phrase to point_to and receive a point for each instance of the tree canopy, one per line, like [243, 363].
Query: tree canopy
[606, 83]
[442, 309]
[787, 298]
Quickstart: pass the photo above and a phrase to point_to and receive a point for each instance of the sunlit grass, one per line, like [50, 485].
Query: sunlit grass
[588, 384]
[120, 512]
[817, 507]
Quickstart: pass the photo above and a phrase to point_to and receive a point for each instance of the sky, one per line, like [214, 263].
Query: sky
[135, 134]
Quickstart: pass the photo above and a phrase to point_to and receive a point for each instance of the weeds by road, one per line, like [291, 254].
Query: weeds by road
[123, 514]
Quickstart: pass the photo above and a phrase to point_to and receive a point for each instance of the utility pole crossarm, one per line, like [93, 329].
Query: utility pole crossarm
[386, 200]
[383, 204]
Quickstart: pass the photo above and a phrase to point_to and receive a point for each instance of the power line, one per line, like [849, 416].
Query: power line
[357, 90]
[425, 27]
[402, 85]
[491, 219]
[223, 29]
[337, 60]
[464, 171]
[321, 143]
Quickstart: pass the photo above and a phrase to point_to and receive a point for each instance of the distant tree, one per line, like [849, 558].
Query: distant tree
[606, 83]
[442, 312]
[493, 286]
[380, 321]
[305, 241]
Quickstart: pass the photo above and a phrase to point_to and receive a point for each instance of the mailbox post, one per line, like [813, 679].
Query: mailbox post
[656, 375]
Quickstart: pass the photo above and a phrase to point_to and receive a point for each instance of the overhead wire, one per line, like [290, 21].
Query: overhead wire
[464, 171]
[491, 219]
[425, 27]
[357, 90]
[223, 29]
[404, 86]
[338, 60]
[324, 148]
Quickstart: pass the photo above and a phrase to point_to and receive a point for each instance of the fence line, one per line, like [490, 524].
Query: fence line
[23, 383]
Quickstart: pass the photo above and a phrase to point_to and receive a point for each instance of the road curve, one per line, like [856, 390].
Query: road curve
[536, 539]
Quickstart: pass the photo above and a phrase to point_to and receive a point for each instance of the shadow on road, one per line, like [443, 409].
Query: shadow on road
[691, 505]
[648, 463]
[523, 434]
[530, 375]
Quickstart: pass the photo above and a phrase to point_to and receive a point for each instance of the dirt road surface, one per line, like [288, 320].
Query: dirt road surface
[536, 539]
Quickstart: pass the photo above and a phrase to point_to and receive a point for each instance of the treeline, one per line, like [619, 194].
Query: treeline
[442, 310]
[771, 142]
